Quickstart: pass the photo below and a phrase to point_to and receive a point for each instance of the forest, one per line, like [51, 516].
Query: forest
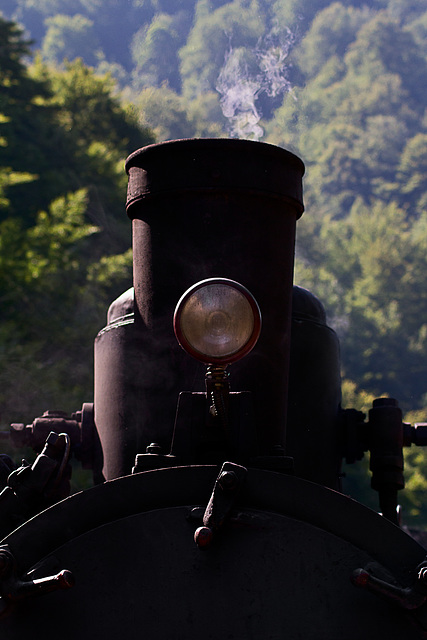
[83, 83]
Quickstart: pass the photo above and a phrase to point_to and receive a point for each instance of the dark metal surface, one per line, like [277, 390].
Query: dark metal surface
[386, 449]
[200, 209]
[224, 497]
[275, 556]
[80, 428]
[214, 164]
[281, 567]
[32, 488]
[409, 598]
[14, 590]
[313, 427]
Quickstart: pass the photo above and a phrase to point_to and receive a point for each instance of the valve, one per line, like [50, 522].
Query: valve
[384, 436]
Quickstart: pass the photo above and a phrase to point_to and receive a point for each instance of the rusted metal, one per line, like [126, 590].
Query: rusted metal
[31, 488]
[284, 537]
[313, 434]
[386, 449]
[199, 209]
[216, 165]
[14, 590]
[224, 495]
[280, 552]
[409, 598]
[79, 427]
[34, 435]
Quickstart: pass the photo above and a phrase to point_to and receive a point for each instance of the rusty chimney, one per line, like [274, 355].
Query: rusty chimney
[200, 208]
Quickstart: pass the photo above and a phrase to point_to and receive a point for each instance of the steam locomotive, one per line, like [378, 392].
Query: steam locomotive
[216, 438]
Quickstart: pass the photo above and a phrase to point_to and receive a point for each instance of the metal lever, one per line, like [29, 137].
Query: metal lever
[409, 598]
[224, 494]
[13, 589]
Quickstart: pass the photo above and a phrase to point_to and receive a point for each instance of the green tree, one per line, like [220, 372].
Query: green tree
[33, 263]
[384, 47]
[87, 134]
[418, 28]
[352, 120]
[330, 34]
[155, 51]
[297, 13]
[164, 111]
[52, 307]
[61, 266]
[26, 121]
[70, 37]
[89, 109]
[375, 263]
[211, 37]
[412, 172]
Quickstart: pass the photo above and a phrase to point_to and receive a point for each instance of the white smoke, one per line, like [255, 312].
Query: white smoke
[246, 74]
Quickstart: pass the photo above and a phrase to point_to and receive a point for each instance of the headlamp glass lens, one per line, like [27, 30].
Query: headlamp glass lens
[217, 321]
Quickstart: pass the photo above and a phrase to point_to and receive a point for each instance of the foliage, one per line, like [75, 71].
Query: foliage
[171, 117]
[50, 282]
[332, 31]
[212, 35]
[164, 110]
[377, 263]
[71, 37]
[90, 111]
[351, 103]
[155, 50]
[65, 255]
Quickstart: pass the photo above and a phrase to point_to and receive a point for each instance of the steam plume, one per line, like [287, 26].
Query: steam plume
[246, 74]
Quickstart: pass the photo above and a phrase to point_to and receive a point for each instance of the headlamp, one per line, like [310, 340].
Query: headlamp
[217, 321]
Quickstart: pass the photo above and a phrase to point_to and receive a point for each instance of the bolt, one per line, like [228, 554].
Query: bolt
[154, 448]
[20, 433]
[66, 579]
[228, 480]
[17, 426]
[203, 537]
[360, 578]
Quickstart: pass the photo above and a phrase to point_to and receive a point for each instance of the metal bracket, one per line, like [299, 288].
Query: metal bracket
[224, 494]
[409, 598]
[13, 589]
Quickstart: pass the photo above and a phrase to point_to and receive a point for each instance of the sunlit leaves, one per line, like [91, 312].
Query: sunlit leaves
[66, 255]
[53, 241]
[331, 32]
[412, 171]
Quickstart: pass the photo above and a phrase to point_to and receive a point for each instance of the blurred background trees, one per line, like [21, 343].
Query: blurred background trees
[64, 239]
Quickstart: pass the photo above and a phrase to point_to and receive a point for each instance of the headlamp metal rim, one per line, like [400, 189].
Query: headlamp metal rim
[209, 359]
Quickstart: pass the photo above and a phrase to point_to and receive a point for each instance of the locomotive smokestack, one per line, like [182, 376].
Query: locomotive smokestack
[219, 208]
[208, 208]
